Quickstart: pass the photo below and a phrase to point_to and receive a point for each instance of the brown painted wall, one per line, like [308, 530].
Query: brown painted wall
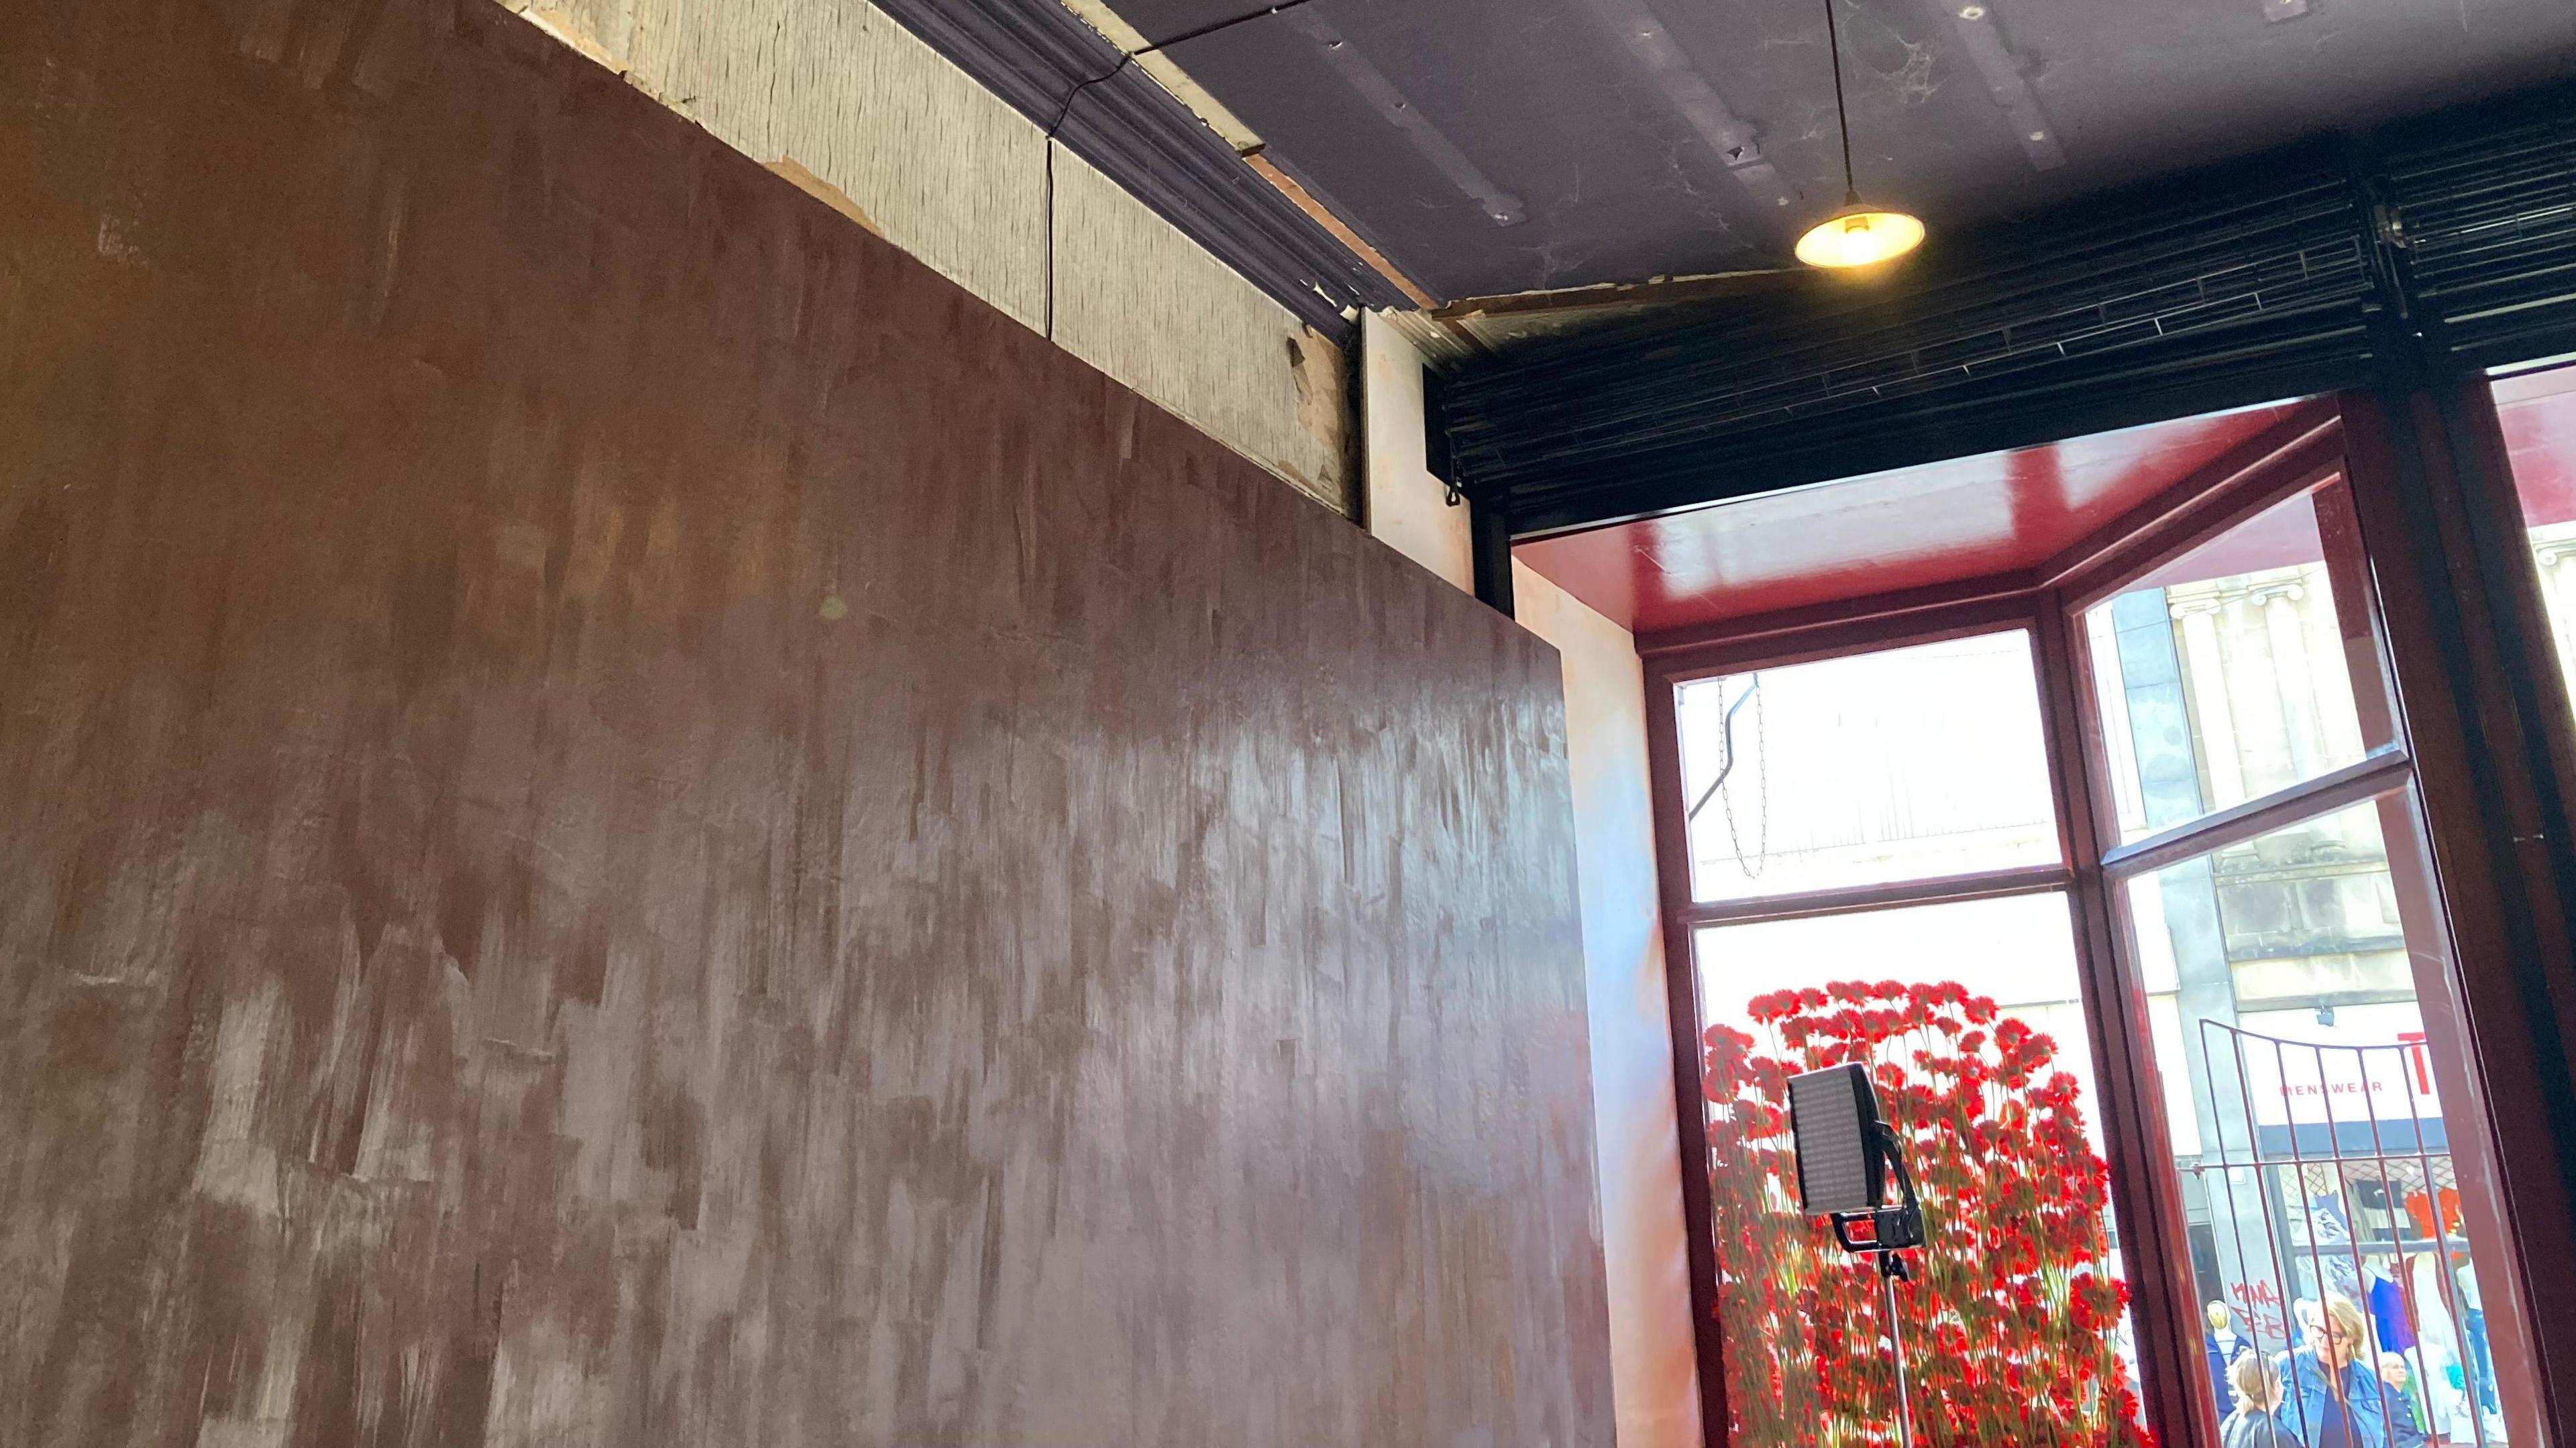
[625, 819]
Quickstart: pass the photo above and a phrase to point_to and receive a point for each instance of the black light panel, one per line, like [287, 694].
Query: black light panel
[1833, 1117]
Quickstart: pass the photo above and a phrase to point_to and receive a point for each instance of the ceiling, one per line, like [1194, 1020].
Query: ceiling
[1884, 533]
[1497, 146]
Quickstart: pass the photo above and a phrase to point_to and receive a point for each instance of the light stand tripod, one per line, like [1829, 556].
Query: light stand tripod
[1844, 1151]
[1881, 1232]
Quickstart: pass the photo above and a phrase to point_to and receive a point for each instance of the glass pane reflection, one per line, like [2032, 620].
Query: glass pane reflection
[2222, 676]
[2321, 1199]
[1864, 770]
[1970, 1014]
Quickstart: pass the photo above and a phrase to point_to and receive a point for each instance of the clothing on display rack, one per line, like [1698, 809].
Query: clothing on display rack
[2326, 1223]
[2482, 1366]
[2420, 1210]
[2473, 1320]
[2442, 1377]
[2388, 1315]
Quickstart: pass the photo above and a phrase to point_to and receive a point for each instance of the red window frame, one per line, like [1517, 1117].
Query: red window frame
[2336, 448]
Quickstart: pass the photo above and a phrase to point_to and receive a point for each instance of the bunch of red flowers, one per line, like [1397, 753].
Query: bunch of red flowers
[2011, 1324]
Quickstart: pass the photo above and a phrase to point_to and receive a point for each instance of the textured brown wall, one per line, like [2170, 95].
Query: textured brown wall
[625, 819]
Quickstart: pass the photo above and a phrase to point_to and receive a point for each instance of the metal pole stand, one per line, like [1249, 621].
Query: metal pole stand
[1890, 1268]
[1882, 1232]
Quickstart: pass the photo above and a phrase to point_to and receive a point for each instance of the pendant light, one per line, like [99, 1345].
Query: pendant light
[1859, 234]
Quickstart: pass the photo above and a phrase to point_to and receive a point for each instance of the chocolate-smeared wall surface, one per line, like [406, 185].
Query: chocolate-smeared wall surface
[627, 820]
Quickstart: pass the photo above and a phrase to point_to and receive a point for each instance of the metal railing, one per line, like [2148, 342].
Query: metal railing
[2331, 1175]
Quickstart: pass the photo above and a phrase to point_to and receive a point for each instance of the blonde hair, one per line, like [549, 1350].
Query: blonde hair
[2348, 1323]
[2257, 1384]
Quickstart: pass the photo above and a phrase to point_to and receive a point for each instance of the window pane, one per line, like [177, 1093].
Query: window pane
[2222, 677]
[2016, 1326]
[2539, 416]
[2306, 1128]
[1896, 765]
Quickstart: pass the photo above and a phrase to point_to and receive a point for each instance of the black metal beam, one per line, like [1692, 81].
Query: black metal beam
[1489, 543]
[2253, 282]
[1435, 432]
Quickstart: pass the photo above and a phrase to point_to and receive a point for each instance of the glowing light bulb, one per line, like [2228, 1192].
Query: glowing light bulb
[1859, 235]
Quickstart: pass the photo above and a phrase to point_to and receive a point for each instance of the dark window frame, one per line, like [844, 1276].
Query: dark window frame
[2327, 448]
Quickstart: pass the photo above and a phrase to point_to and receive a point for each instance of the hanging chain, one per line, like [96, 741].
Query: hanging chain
[1727, 759]
[1752, 865]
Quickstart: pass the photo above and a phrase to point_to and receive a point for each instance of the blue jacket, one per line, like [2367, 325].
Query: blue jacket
[2309, 1406]
[2247, 1428]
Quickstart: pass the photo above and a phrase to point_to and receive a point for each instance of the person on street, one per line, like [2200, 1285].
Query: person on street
[2256, 1423]
[2224, 1345]
[2335, 1400]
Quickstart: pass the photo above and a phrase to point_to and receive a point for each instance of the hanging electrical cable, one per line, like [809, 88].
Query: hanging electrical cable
[1859, 234]
[1065, 113]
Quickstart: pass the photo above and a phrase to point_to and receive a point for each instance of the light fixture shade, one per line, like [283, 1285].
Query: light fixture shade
[1859, 235]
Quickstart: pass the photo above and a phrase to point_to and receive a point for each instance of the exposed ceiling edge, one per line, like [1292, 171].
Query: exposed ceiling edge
[1655, 291]
[1442, 344]
[1157, 62]
[1168, 73]
[1474, 327]
[1036, 55]
[1307, 201]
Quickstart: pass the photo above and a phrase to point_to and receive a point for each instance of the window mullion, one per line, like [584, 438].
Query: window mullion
[2376, 773]
[1981, 885]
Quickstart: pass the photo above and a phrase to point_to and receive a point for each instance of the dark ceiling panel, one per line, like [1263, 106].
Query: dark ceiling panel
[1612, 121]
[1497, 92]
